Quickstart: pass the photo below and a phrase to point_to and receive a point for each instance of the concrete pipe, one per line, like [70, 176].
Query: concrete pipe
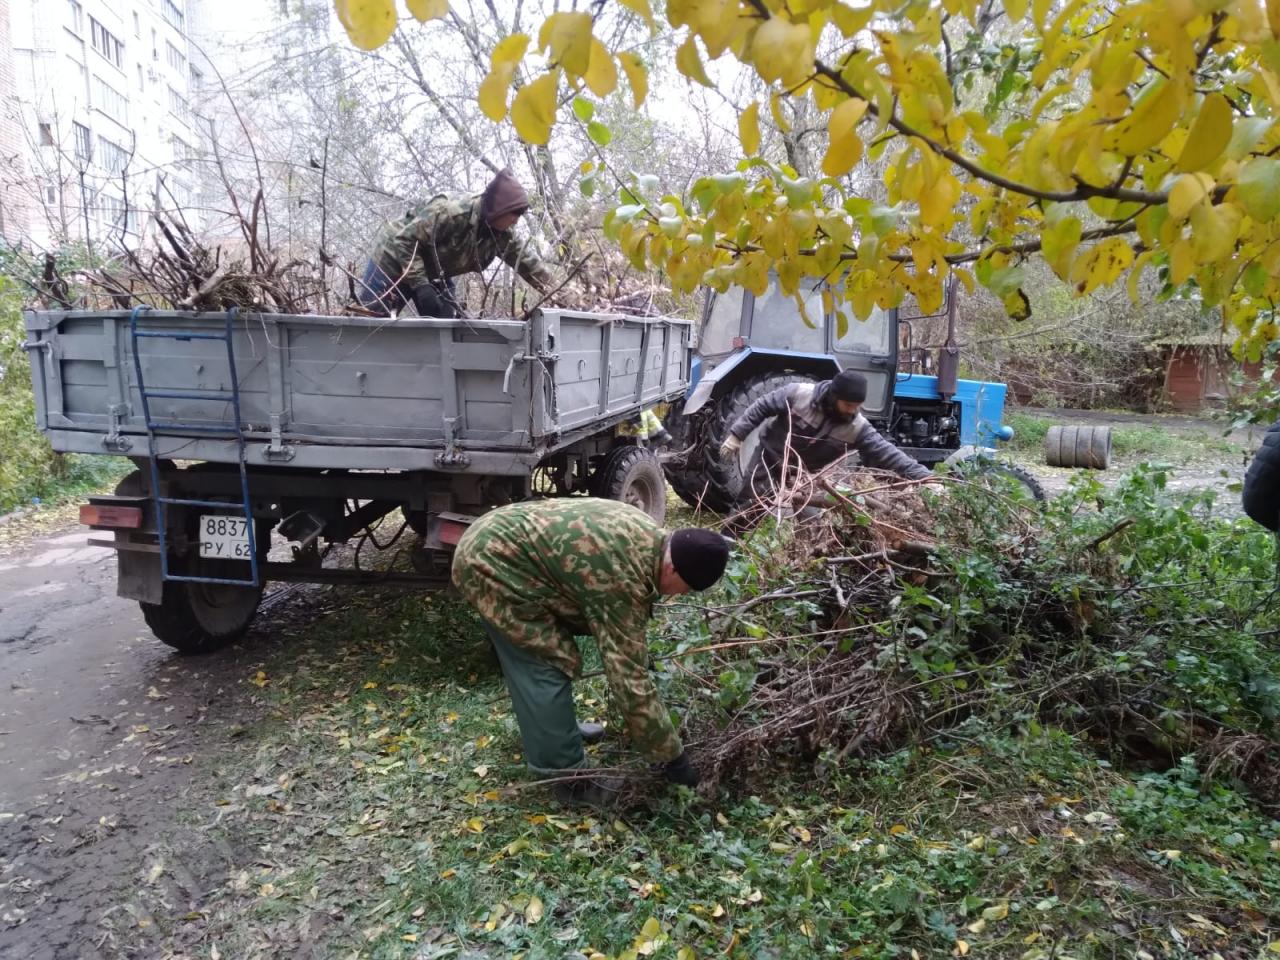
[1078, 446]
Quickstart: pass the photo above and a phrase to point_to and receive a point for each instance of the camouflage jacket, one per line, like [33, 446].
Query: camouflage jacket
[545, 571]
[445, 237]
[800, 418]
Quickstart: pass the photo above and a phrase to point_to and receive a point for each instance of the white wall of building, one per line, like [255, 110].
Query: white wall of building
[102, 95]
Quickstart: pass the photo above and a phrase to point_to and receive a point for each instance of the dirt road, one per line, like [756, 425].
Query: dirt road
[102, 736]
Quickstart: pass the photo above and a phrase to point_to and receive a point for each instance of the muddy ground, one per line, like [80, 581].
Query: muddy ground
[107, 737]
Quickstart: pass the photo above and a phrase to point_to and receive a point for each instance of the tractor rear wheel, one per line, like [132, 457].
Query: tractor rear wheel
[701, 479]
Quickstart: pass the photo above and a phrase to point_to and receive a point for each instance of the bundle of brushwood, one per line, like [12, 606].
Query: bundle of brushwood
[183, 272]
[865, 613]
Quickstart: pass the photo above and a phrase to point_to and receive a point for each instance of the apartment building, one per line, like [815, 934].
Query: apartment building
[101, 100]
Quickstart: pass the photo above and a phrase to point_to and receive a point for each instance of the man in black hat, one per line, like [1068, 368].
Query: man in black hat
[542, 572]
[417, 256]
[821, 422]
[1261, 494]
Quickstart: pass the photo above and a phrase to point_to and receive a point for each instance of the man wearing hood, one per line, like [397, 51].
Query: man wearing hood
[821, 422]
[417, 256]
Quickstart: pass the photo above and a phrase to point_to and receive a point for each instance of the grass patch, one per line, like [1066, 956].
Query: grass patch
[389, 814]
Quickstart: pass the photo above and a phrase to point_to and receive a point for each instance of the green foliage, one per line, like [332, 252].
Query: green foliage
[28, 466]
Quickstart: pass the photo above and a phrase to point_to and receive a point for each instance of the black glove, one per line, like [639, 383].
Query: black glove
[681, 771]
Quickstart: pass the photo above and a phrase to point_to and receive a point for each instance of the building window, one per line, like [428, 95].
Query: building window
[110, 101]
[75, 17]
[142, 85]
[111, 156]
[84, 145]
[82, 71]
[179, 107]
[105, 42]
[176, 58]
[50, 193]
[173, 13]
[112, 212]
[197, 81]
[46, 135]
[137, 25]
[155, 44]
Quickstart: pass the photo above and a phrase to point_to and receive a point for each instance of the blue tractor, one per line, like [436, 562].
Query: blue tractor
[748, 346]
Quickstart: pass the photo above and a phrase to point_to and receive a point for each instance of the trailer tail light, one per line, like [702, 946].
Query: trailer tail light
[451, 532]
[101, 515]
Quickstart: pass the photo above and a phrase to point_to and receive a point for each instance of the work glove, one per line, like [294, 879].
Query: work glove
[682, 771]
[730, 447]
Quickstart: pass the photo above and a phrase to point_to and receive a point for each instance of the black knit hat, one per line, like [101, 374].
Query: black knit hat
[850, 386]
[699, 556]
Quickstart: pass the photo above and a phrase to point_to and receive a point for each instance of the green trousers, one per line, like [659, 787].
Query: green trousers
[543, 698]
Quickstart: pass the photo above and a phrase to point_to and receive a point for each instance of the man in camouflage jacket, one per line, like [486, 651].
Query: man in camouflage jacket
[821, 422]
[416, 257]
[542, 572]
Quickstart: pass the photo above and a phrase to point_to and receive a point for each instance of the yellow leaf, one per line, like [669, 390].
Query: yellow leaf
[475, 825]
[1208, 136]
[369, 23]
[370, 685]
[1015, 10]
[779, 118]
[782, 50]
[686, 953]
[533, 111]
[1188, 192]
[568, 36]
[962, 949]
[898, 829]
[425, 10]
[1153, 115]
[1273, 946]
[484, 740]
[533, 911]
[481, 771]
[844, 148]
[1214, 230]
[689, 63]
[410, 938]
[640, 8]
[602, 75]
[637, 76]
[996, 913]
[849, 20]
[977, 926]
[1101, 264]
[749, 129]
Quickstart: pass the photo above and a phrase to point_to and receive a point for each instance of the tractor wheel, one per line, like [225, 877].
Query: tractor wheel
[1007, 479]
[632, 474]
[701, 480]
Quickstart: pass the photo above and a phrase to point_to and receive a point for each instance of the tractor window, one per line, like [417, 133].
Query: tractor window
[723, 322]
[865, 336]
[776, 322]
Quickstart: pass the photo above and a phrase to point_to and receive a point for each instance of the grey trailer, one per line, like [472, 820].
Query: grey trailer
[249, 428]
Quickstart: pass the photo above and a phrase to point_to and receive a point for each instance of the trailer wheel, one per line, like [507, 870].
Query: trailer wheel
[633, 475]
[198, 618]
[702, 480]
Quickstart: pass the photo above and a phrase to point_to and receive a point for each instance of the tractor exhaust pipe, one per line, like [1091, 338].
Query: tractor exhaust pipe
[949, 354]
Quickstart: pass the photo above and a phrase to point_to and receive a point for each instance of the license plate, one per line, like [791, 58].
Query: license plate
[224, 538]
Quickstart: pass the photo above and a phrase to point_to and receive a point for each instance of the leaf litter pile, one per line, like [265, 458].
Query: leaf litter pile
[898, 614]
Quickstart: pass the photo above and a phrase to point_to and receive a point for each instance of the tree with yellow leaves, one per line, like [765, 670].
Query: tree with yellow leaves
[1132, 137]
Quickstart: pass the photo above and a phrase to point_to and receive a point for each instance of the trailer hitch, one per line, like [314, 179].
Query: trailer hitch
[452, 455]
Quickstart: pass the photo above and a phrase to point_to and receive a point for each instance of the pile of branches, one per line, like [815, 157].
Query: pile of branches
[902, 613]
[181, 271]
